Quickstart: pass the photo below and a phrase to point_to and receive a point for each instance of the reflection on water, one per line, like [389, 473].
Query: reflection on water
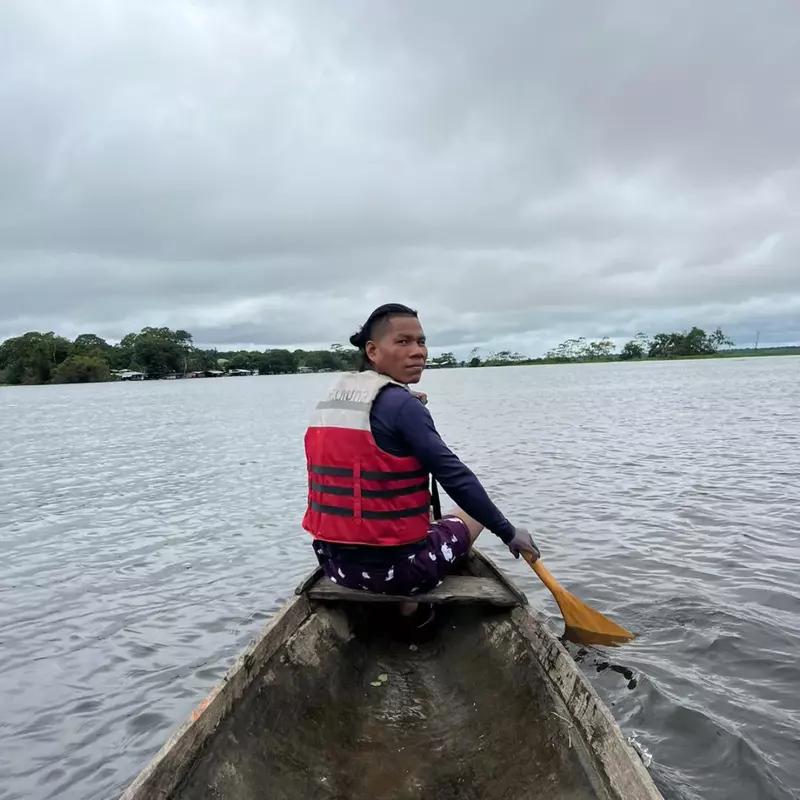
[149, 530]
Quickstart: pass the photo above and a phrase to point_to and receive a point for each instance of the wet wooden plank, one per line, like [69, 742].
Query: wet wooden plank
[455, 589]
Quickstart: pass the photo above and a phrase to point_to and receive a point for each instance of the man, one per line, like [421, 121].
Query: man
[371, 448]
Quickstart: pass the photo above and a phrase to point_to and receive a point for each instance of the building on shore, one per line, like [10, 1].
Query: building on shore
[128, 375]
[206, 373]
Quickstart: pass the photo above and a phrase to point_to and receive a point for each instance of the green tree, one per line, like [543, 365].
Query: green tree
[666, 345]
[245, 359]
[155, 357]
[90, 343]
[346, 358]
[160, 351]
[601, 349]
[505, 357]
[636, 348]
[321, 361]
[694, 342]
[643, 341]
[201, 360]
[718, 340]
[631, 350]
[579, 349]
[82, 369]
[277, 362]
[32, 358]
[574, 350]
[121, 355]
[446, 360]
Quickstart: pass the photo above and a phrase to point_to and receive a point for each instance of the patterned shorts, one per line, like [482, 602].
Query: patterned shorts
[444, 549]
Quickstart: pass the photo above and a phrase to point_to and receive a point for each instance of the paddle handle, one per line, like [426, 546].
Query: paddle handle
[544, 574]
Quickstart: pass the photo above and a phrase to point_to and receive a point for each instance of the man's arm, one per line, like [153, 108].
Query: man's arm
[415, 426]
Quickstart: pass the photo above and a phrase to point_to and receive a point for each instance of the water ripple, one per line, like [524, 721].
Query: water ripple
[148, 531]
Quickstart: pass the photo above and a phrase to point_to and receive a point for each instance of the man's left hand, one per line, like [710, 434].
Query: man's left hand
[523, 543]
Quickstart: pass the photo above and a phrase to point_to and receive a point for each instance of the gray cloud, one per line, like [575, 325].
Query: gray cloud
[520, 172]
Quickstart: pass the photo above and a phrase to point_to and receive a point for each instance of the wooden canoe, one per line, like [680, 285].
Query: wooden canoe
[327, 703]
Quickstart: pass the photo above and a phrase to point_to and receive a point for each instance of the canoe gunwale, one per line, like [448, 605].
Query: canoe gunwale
[613, 761]
[164, 773]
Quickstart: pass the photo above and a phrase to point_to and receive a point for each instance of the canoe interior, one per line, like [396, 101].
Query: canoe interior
[466, 715]
[329, 703]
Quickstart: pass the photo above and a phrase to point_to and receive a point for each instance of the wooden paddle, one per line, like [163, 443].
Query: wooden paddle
[583, 624]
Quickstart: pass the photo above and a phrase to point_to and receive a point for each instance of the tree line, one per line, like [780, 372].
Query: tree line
[688, 344]
[38, 358]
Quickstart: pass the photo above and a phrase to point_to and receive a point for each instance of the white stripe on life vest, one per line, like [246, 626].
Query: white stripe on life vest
[340, 418]
[348, 403]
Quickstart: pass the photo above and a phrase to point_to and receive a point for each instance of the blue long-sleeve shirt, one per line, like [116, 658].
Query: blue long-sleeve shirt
[402, 426]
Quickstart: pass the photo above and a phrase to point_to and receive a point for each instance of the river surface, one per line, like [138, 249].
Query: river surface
[148, 531]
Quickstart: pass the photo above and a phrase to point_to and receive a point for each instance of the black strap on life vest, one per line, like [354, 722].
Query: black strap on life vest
[336, 511]
[349, 491]
[435, 501]
[343, 472]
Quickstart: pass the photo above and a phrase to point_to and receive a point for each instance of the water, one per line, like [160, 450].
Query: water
[148, 531]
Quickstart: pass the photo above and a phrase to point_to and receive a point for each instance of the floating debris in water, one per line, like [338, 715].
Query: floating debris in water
[380, 680]
[602, 666]
[624, 671]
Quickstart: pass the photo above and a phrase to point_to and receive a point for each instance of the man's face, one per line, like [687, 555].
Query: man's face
[399, 351]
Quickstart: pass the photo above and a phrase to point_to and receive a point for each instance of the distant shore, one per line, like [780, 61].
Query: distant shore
[163, 354]
[747, 353]
[741, 353]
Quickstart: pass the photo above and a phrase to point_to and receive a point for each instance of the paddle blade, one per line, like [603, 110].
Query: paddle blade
[583, 624]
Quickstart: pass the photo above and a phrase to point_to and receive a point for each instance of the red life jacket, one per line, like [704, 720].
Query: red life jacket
[358, 493]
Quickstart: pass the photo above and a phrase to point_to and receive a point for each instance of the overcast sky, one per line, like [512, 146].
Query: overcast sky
[264, 174]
